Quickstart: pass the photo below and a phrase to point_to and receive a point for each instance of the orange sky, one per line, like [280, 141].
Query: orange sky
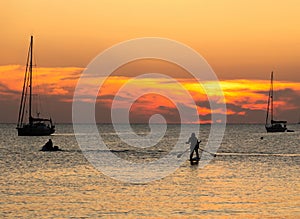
[239, 39]
[242, 41]
[246, 99]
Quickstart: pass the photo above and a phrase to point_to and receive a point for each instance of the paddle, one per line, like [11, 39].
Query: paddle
[208, 152]
[179, 155]
[198, 142]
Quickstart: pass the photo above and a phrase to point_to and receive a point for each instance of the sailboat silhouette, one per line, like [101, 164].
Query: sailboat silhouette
[36, 126]
[273, 126]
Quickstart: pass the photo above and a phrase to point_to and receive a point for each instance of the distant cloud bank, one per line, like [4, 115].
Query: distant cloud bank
[246, 99]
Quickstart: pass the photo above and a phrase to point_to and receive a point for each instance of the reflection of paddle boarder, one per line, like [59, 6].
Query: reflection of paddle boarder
[194, 146]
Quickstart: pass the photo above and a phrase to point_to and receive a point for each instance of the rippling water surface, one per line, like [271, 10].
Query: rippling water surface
[250, 177]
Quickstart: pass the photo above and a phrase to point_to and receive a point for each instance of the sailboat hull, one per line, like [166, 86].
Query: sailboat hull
[35, 130]
[276, 128]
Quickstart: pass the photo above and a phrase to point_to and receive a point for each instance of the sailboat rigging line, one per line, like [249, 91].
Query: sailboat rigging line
[25, 98]
[272, 96]
[37, 104]
[21, 111]
[30, 82]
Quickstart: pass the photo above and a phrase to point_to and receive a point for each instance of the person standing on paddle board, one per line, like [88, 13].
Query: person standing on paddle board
[194, 146]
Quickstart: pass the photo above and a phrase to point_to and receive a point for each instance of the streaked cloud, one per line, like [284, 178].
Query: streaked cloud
[246, 99]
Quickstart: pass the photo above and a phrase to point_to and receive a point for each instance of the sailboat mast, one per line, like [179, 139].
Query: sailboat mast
[271, 97]
[30, 80]
[269, 100]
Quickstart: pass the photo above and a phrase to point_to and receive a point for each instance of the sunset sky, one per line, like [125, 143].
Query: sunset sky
[243, 41]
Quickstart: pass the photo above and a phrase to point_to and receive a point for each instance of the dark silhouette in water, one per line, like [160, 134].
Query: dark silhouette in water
[36, 126]
[49, 146]
[194, 147]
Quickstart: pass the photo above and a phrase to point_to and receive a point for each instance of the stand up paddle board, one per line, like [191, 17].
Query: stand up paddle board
[194, 161]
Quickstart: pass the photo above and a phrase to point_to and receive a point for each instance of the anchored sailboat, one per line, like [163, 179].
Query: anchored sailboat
[35, 126]
[273, 126]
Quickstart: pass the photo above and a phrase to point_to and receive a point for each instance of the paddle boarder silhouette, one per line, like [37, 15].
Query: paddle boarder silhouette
[194, 147]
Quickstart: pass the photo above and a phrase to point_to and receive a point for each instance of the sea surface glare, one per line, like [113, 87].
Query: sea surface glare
[250, 177]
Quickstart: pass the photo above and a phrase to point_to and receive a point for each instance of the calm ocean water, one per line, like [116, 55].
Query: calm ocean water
[250, 177]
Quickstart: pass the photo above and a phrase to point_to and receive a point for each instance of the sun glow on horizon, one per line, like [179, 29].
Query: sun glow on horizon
[241, 95]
